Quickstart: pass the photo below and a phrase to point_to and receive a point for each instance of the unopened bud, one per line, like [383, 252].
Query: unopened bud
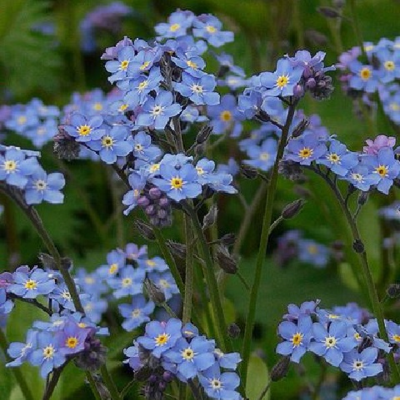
[301, 127]
[233, 331]
[225, 260]
[292, 209]
[362, 198]
[280, 369]
[298, 91]
[358, 246]
[154, 292]
[393, 291]
[210, 218]
[48, 262]
[204, 134]
[248, 172]
[177, 249]
[228, 239]
[328, 12]
[315, 37]
[145, 230]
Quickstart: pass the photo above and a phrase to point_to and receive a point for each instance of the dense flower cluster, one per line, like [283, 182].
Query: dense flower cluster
[20, 171]
[374, 69]
[346, 337]
[176, 351]
[374, 393]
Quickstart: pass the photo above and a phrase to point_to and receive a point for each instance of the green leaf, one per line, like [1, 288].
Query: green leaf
[257, 378]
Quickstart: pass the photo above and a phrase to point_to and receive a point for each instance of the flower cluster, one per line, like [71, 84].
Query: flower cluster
[374, 393]
[21, 172]
[170, 350]
[346, 337]
[292, 246]
[374, 69]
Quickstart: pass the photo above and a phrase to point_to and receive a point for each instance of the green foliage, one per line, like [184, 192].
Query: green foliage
[27, 61]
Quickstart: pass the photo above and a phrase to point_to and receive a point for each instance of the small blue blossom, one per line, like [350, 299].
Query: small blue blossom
[85, 130]
[21, 352]
[208, 27]
[71, 339]
[305, 149]
[136, 313]
[129, 282]
[364, 77]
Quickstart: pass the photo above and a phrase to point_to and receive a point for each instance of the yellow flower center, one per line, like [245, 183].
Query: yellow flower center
[72, 342]
[394, 106]
[10, 166]
[154, 168]
[211, 29]
[312, 249]
[162, 339]
[84, 130]
[389, 65]
[396, 338]
[30, 284]
[107, 141]
[357, 336]
[187, 354]
[225, 116]
[176, 183]
[297, 338]
[382, 170]
[122, 107]
[97, 106]
[143, 85]
[89, 280]
[21, 120]
[113, 269]
[191, 64]
[365, 73]
[333, 316]
[151, 263]
[174, 27]
[144, 65]
[333, 158]
[330, 341]
[282, 81]
[124, 65]
[82, 325]
[305, 153]
[48, 352]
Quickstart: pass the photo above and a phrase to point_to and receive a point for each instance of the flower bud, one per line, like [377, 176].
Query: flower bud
[393, 291]
[154, 193]
[228, 239]
[280, 369]
[233, 331]
[248, 172]
[329, 12]
[210, 218]
[177, 249]
[358, 246]
[154, 292]
[301, 127]
[225, 260]
[292, 209]
[145, 230]
[204, 134]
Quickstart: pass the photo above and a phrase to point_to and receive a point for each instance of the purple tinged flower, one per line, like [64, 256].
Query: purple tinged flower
[44, 187]
[296, 337]
[85, 130]
[113, 144]
[29, 285]
[338, 159]
[313, 253]
[283, 80]
[309, 64]
[208, 27]
[15, 167]
[361, 365]
[331, 343]
[373, 146]
[47, 354]
[306, 308]
[219, 385]
[161, 336]
[199, 90]
[133, 252]
[157, 112]
[249, 103]
[6, 307]
[137, 181]
[305, 149]
[133, 354]
[21, 351]
[178, 184]
[71, 339]
[136, 313]
[191, 358]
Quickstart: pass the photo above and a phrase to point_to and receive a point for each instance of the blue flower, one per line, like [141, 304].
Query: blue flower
[361, 365]
[199, 90]
[29, 285]
[190, 62]
[161, 336]
[208, 27]
[313, 253]
[71, 339]
[157, 112]
[177, 25]
[137, 181]
[85, 130]
[219, 385]
[191, 358]
[143, 149]
[47, 354]
[331, 343]
[178, 184]
[113, 144]
[305, 149]
[129, 282]
[165, 282]
[22, 351]
[296, 337]
[263, 156]
[136, 313]
[44, 187]
[364, 77]
[283, 80]
[121, 69]
[15, 168]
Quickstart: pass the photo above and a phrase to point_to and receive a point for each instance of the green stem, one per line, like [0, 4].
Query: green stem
[264, 392]
[356, 26]
[93, 386]
[189, 275]
[109, 382]
[19, 377]
[271, 190]
[170, 260]
[219, 317]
